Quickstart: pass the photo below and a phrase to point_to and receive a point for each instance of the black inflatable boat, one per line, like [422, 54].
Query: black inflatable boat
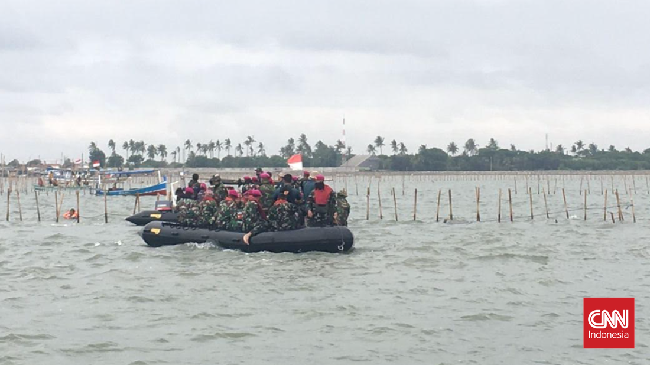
[148, 216]
[325, 239]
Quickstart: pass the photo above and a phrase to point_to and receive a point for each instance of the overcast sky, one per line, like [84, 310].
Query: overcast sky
[421, 72]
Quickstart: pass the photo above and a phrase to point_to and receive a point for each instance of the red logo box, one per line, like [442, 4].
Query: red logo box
[609, 323]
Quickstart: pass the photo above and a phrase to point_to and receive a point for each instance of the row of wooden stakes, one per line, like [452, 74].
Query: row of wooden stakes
[499, 215]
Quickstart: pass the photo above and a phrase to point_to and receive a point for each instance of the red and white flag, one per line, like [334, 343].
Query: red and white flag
[295, 162]
[96, 163]
[77, 161]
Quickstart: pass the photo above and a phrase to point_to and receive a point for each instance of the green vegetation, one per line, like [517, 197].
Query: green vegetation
[251, 153]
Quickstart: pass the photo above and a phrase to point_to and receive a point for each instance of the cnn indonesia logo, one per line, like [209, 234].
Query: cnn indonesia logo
[609, 322]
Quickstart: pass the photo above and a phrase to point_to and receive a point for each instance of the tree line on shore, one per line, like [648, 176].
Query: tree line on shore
[251, 153]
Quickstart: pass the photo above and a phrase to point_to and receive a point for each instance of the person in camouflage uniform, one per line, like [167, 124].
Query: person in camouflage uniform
[209, 208]
[189, 213]
[267, 189]
[254, 221]
[321, 204]
[219, 189]
[283, 216]
[342, 209]
[230, 213]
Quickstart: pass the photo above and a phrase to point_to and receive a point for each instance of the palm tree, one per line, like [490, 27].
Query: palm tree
[593, 148]
[199, 147]
[371, 149]
[340, 146]
[178, 152]
[559, 149]
[579, 146]
[218, 146]
[470, 146]
[260, 149]
[379, 143]
[125, 147]
[303, 146]
[188, 147]
[250, 140]
[162, 151]
[239, 150]
[348, 151]
[612, 148]
[452, 148]
[513, 148]
[132, 146]
[151, 151]
[111, 145]
[173, 153]
[493, 144]
[211, 147]
[402, 148]
[393, 146]
[141, 147]
[422, 149]
[227, 146]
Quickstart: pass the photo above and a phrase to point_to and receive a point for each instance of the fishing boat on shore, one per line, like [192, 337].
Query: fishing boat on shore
[118, 179]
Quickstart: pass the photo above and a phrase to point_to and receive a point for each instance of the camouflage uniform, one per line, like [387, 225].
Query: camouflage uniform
[230, 216]
[342, 209]
[209, 209]
[283, 216]
[267, 191]
[189, 213]
[253, 221]
[220, 192]
[322, 216]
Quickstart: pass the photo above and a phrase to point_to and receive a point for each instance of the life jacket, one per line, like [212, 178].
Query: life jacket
[322, 197]
[67, 215]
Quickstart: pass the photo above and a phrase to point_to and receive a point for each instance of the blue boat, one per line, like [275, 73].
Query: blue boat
[157, 189]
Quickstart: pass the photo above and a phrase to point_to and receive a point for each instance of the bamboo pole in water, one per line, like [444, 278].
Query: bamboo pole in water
[56, 205]
[499, 210]
[8, 193]
[105, 208]
[38, 209]
[58, 210]
[585, 205]
[530, 198]
[545, 203]
[618, 204]
[78, 213]
[451, 212]
[135, 202]
[368, 204]
[605, 207]
[631, 202]
[478, 199]
[381, 213]
[566, 208]
[395, 203]
[20, 210]
[415, 205]
[613, 220]
[510, 204]
[438, 207]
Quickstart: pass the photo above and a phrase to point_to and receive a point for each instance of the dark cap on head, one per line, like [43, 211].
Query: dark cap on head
[195, 177]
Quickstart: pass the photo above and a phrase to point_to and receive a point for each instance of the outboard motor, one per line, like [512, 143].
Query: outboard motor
[163, 205]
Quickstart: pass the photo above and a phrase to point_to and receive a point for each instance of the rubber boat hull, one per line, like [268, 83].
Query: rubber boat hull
[148, 216]
[325, 239]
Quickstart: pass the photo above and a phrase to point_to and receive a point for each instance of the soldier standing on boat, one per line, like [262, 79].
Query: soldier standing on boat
[321, 204]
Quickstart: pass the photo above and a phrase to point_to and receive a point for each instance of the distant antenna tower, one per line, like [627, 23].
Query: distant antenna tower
[344, 155]
[546, 142]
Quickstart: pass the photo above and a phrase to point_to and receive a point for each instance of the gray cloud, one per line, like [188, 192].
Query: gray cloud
[418, 71]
